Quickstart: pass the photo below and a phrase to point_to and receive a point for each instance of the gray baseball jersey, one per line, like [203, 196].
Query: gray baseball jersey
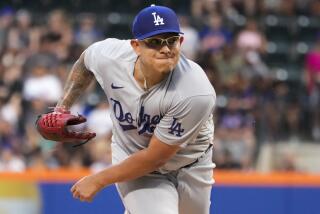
[178, 110]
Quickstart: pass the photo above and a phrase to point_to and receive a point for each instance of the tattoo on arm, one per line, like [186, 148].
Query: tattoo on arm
[78, 80]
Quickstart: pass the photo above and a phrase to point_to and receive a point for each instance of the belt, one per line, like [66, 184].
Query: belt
[197, 160]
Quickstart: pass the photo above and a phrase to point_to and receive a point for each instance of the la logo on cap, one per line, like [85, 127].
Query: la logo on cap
[157, 19]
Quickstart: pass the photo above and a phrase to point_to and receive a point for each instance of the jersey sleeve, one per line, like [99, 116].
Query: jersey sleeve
[182, 123]
[91, 60]
[102, 53]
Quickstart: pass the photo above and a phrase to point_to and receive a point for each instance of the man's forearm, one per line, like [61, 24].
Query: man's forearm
[139, 163]
[135, 166]
[78, 80]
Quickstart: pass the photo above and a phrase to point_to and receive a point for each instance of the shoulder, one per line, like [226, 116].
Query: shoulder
[189, 80]
[111, 48]
[109, 42]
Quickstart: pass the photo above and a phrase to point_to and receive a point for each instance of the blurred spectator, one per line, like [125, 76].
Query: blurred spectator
[19, 35]
[11, 111]
[312, 80]
[287, 7]
[10, 82]
[6, 20]
[207, 62]
[251, 38]
[11, 162]
[87, 32]
[314, 8]
[46, 55]
[14, 52]
[251, 43]
[312, 67]
[229, 63]
[246, 7]
[59, 23]
[8, 136]
[191, 44]
[234, 138]
[43, 85]
[202, 7]
[254, 66]
[283, 113]
[215, 36]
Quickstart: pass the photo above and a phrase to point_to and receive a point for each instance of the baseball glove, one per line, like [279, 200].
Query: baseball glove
[54, 126]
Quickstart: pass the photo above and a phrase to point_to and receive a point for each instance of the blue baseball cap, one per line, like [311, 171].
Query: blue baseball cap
[155, 20]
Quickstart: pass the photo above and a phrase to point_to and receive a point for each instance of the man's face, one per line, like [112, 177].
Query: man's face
[160, 53]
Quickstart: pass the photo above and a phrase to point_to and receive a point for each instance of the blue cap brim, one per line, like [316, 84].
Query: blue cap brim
[147, 35]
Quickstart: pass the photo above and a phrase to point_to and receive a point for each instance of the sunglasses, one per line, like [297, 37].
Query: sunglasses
[157, 43]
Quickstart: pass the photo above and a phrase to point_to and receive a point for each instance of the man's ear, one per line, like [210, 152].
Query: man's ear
[181, 39]
[136, 46]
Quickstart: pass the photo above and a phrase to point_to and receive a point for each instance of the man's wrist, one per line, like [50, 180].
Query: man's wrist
[102, 179]
[61, 109]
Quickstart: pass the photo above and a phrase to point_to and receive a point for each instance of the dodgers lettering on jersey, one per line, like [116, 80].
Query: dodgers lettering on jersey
[125, 118]
[174, 112]
[146, 123]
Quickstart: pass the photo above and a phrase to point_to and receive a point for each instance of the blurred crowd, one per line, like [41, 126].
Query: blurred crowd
[255, 103]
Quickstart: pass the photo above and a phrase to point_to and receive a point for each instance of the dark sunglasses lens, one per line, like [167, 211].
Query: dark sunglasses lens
[172, 40]
[154, 42]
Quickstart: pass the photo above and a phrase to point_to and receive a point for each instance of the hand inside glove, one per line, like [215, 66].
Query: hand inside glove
[54, 126]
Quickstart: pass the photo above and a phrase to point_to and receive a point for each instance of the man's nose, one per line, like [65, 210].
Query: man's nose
[165, 49]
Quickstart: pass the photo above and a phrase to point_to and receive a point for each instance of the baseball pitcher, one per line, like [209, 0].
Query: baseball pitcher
[162, 105]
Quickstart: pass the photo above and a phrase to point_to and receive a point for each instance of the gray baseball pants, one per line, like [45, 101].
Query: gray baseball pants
[185, 191]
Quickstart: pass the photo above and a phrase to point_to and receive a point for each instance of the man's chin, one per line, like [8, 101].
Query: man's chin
[164, 66]
[164, 69]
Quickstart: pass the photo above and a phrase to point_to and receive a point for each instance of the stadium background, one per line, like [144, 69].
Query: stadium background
[261, 56]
